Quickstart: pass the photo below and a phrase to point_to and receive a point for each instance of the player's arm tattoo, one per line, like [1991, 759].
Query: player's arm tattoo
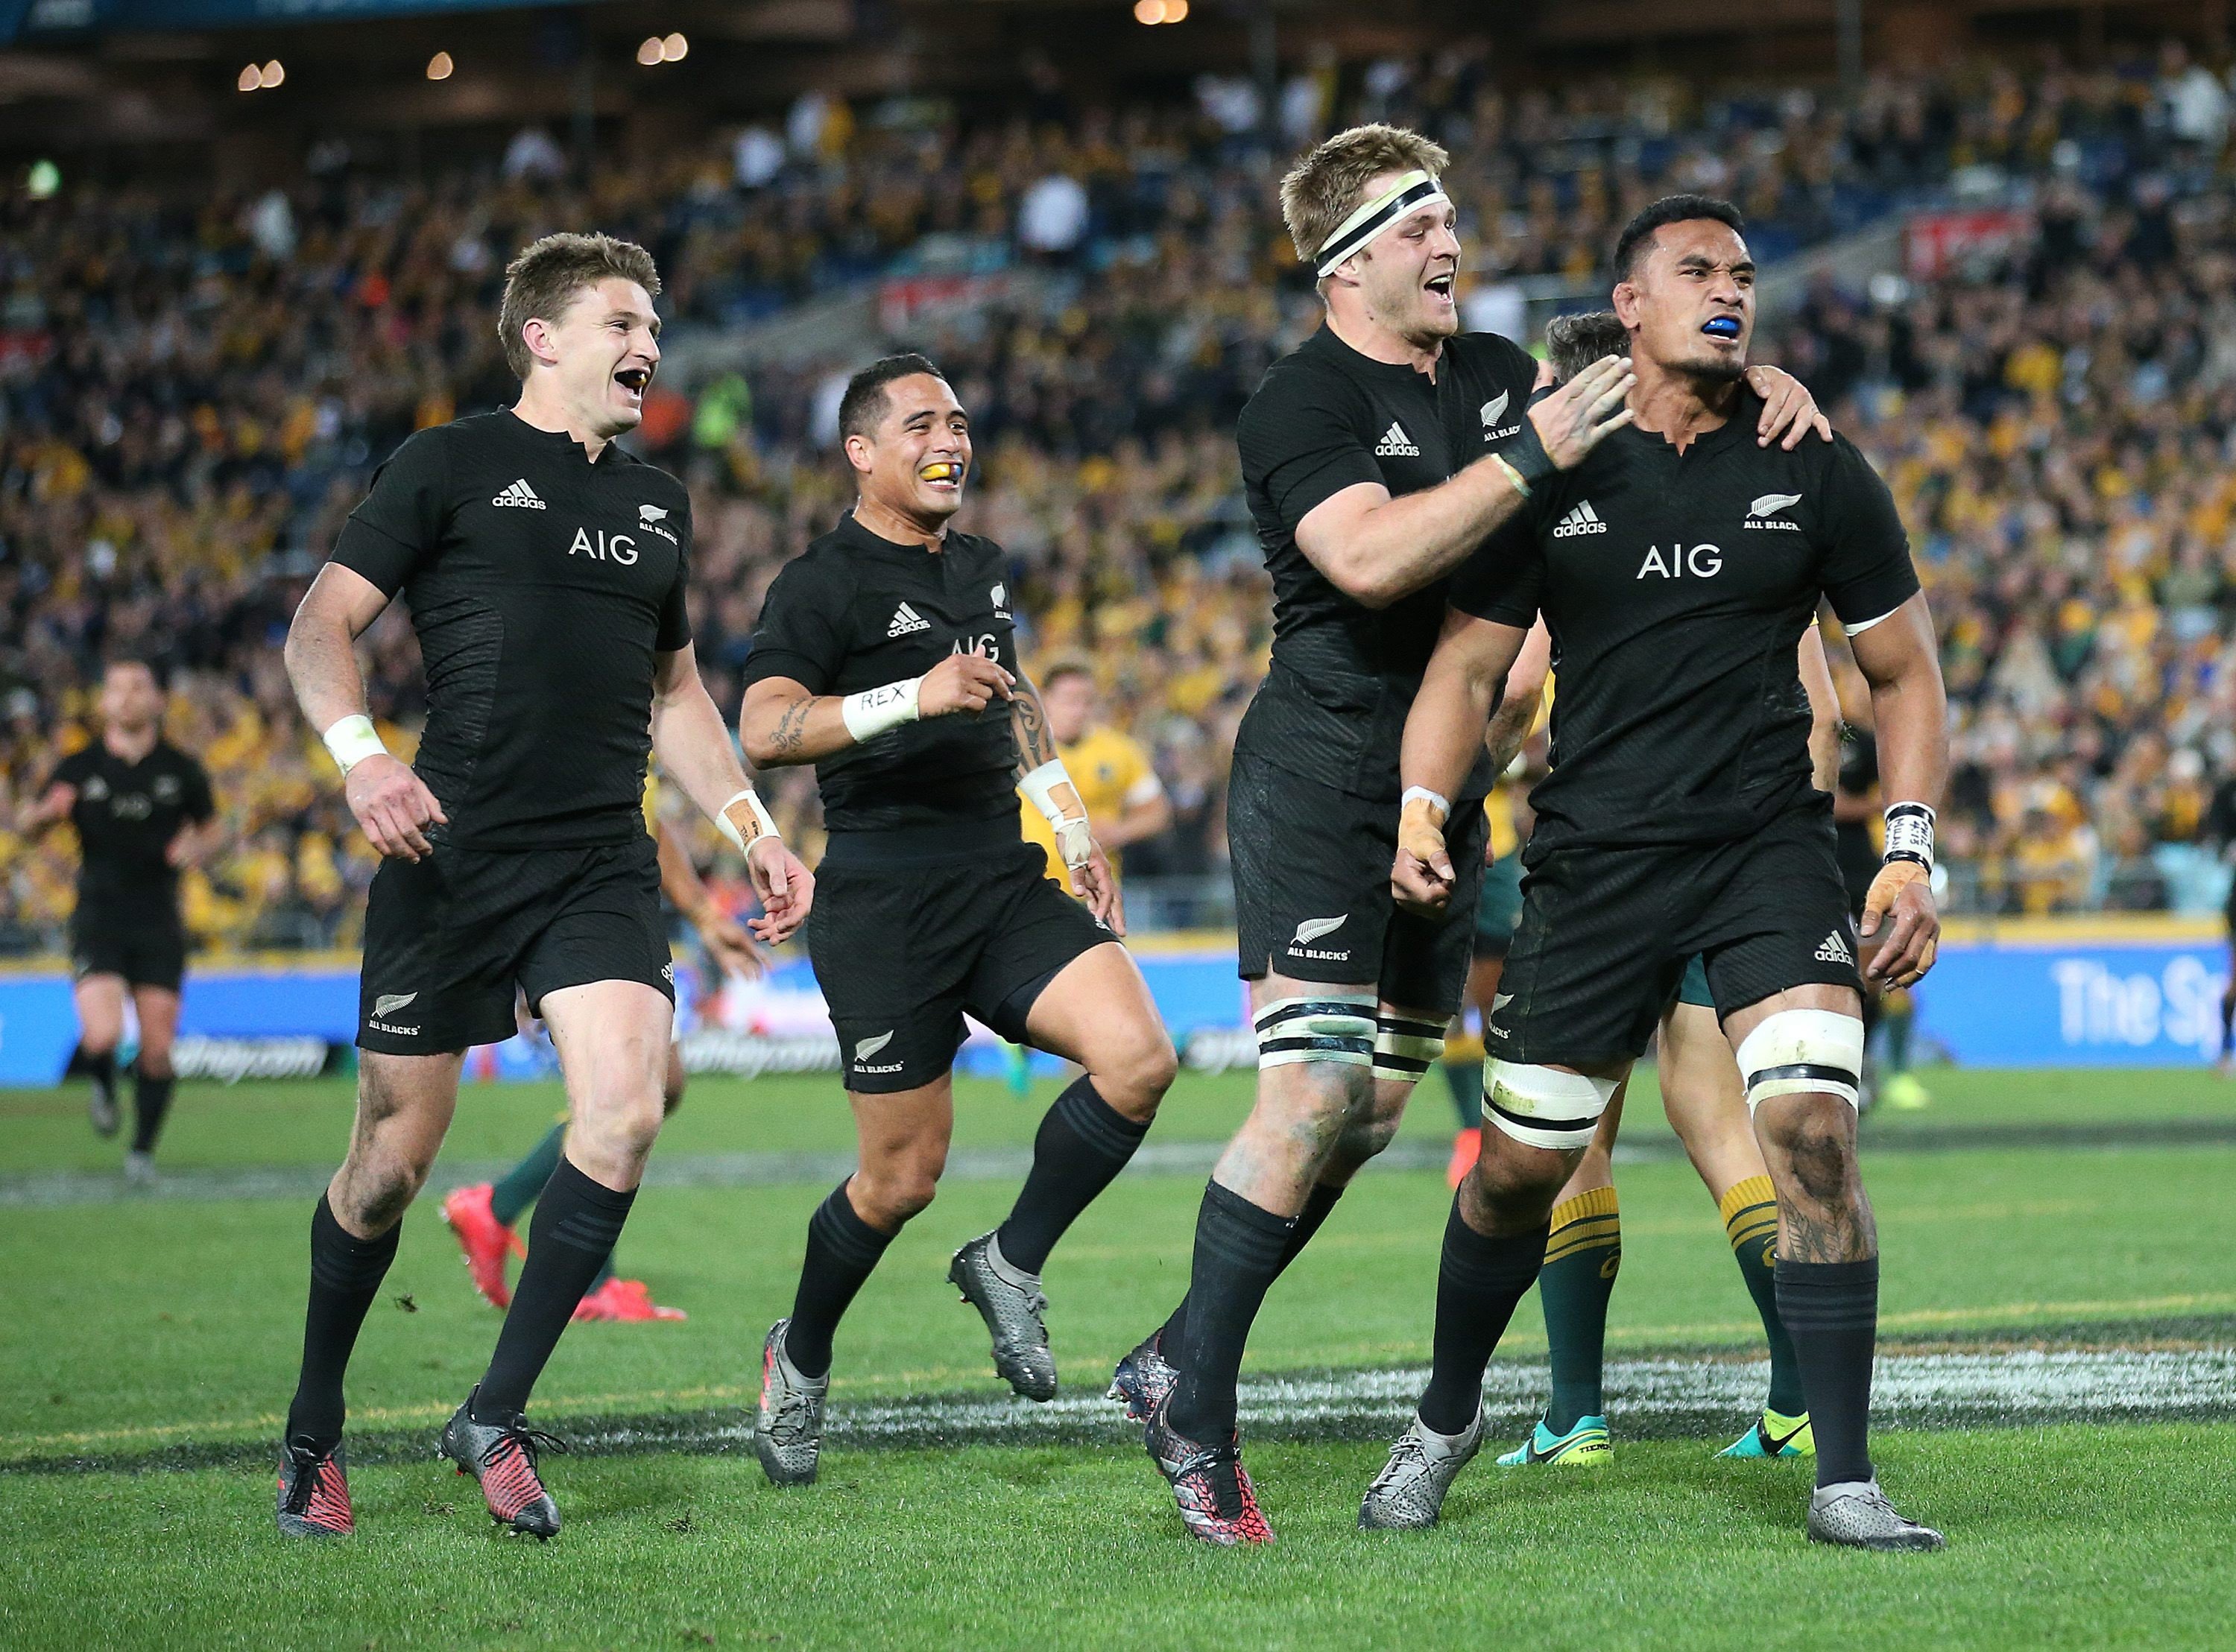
[792, 728]
[1028, 717]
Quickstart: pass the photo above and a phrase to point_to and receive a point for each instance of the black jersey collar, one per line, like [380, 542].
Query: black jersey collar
[1325, 343]
[1746, 413]
[556, 440]
[861, 539]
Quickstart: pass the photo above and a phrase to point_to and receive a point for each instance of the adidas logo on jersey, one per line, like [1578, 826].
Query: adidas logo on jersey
[1771, 505]
[906, 619]
[1396, 444]
[1834, 949]
[519, 493]
[1582, 519]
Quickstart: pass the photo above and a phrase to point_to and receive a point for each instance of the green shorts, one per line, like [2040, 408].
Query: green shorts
[1498, 908]
[1693, 989]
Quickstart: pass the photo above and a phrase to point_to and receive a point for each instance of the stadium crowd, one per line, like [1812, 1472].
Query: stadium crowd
[194, 389]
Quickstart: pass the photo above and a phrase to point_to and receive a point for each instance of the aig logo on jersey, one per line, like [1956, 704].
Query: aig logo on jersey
[1701, 561]
[1760, 513]
[606, 547]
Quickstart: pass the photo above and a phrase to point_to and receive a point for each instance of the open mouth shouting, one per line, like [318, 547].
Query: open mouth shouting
[633, 380]
[1439, 287]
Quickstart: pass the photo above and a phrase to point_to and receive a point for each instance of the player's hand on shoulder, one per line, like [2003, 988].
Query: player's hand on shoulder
[393, 806]
[1092, 881]
[786, 889]
[1901, 922]
[1788, 409]
[964, 683]
[1575, 418]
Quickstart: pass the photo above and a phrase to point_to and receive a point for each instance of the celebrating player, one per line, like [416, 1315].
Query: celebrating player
[545, 568]
[1676, 570]
[142, 810]
[1376, 457]
[886, 656]
[481, 1216]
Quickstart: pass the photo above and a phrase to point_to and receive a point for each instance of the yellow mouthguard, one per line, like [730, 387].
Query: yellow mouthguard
[941, 470]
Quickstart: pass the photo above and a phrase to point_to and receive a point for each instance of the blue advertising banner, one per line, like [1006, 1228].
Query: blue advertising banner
[2032, 1001]
[35, 18]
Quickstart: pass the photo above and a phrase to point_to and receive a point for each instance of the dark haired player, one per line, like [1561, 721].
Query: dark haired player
[1376, 457]
[545, 570]
[886, 657]
[142, 810]
[1676, 569]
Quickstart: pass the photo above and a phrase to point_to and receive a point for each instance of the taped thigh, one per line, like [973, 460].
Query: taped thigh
[1544, 1106]
[1803, 1052]
[1336, 1027]
[1406, 1047]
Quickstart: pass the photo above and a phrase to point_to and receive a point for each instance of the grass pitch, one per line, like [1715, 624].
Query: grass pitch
[150, 1333]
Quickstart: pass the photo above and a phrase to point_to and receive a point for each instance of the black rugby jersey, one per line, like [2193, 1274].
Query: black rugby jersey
[855, 610]
[1325, 418]
[126, 814]
[540, 587]
[1675, 587]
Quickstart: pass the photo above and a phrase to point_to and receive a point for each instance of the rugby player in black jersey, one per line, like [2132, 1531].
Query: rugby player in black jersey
[142, 810]
[886, 656]
[1675, 568]
[545, 570]
[1376, 457]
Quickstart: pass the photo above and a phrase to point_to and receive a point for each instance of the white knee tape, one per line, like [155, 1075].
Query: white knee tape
[1803, 1052]
[1336, 1027]
[1405, 1048]
[1544, 1106]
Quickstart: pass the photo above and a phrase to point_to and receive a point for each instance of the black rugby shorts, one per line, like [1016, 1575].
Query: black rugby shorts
[147, 945]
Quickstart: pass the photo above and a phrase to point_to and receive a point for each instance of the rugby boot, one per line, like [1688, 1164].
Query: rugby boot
[1775, 1435]
[1217, 1502]
[101, 1107]
[788, 1419]
[501, 1456]
[1408, 1494]
[1857, 1514]
[628, 1301]
[1584, 1445]
[484, 1239]
[314, 1500]
[1011, 1304]
[1144, 1378]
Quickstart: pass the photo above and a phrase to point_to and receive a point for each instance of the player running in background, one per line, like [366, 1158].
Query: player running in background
[886, 656]
[481, 1216]
[1675, 568]
[143, 812]
[1117, 781]
[545, 570]
[1376, 457]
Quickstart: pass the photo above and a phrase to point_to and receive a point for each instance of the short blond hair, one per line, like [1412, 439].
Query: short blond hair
[542, 281]
[1329, 181]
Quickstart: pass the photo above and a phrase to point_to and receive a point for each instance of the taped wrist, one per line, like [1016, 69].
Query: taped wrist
[352, 740]
[1910, 834]
[1525, 455]
[1066, 814]
[744, 820]
[874, 711]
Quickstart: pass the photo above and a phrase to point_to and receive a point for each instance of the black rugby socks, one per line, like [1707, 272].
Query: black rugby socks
[576, 1222]
[1083, 1144]
[1319, 1203]
[842, 1252]
[1478, 1283]
[151, 1102]
[1240, 1250]
[1832, 1312]
[345, 1275]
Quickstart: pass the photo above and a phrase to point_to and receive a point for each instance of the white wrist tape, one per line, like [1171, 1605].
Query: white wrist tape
[352, 740]
[745, 807]
[1910, 834]
[874, 711]
[1435, 797]
[1075, 841]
